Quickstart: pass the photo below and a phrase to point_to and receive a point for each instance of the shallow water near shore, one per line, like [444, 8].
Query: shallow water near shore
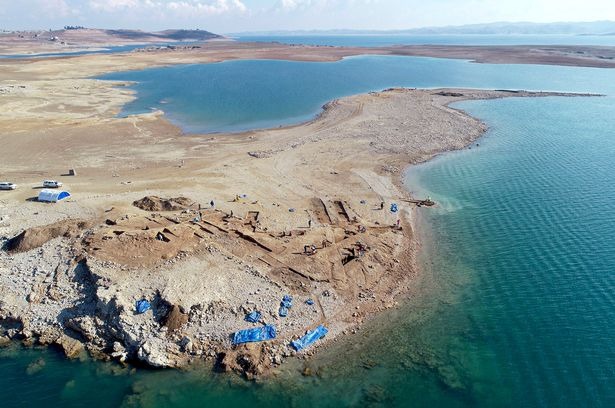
[515, 303]
[530, 213]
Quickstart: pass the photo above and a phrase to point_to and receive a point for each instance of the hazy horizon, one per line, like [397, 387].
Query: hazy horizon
[235, 16]
[600, 27]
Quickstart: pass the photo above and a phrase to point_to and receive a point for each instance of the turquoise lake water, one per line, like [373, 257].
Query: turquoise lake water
[518, 288]
[240, 95]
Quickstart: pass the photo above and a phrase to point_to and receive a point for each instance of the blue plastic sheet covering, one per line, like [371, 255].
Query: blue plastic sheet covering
[287, 301]
[310, 338]
[262, 333]
[253, 317]
[142, 306]
[394, 208]
[309, 302]
[285, 305]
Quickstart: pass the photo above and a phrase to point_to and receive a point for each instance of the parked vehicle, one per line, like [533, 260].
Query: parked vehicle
[5, 185]
[52, 184]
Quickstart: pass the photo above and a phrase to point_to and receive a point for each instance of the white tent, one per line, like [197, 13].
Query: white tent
[52, 196]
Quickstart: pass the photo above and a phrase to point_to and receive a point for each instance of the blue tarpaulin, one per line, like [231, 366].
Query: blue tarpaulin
[255, 334]
[311, 337]
[287, 301]
[253, 317]
[309, 302]
[142, 306]
[285, 305]
[394, 208]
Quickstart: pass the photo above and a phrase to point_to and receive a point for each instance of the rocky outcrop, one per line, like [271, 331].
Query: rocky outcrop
[157, 352]
[74, 306]
[85, 326]
[4, 341]
[72, 348]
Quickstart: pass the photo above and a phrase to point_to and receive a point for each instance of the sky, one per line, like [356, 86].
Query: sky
[226, 16]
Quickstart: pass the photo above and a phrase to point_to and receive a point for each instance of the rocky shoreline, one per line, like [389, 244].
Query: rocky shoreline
[59, 295]
[71, 273]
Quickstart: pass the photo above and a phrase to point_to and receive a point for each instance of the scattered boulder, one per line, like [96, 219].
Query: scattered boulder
[72, 348]
[155, 353]
[35, 366]
[84, 326]
[98, 353]
[48, 336]
[119, 352]
[4, 341]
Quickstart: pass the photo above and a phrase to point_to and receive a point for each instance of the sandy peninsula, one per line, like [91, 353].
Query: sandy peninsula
[207, 228]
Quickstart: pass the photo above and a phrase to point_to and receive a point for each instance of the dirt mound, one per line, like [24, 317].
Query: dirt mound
[175, 319]
[154, 203]
[38, 236]
[250, 360]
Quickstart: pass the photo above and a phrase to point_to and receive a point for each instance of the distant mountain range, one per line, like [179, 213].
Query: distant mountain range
[177, 35]
[499, 28]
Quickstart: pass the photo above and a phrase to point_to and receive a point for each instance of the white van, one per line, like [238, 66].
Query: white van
[5, 185]
[51, 184]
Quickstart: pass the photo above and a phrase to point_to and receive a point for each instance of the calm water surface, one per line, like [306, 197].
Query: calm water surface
[240, 95]
[517, 304]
